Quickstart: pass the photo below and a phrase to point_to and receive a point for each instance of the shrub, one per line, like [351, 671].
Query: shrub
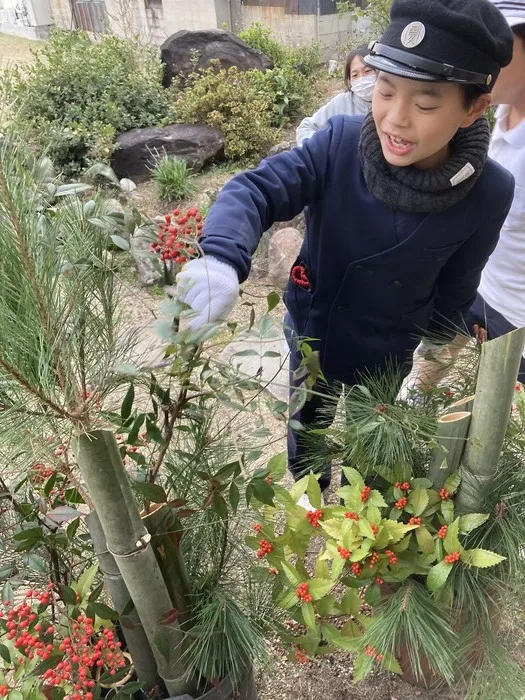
[173, 178]
[79, 93]
[304, 57]
[287, 90]
[231, 101]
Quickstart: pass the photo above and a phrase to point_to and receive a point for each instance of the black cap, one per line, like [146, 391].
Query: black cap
[462, 41]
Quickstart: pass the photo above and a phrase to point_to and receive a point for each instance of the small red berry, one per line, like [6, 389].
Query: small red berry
[442, 532]
[365, 493]
[444, 494]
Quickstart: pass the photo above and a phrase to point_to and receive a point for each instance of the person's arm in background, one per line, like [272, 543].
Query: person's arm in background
[247, 206]
[340, 104]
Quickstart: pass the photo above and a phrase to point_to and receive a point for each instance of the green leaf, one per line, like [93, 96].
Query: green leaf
[103, 611]
[452, 483]
[4, 653]
[363, 664]
[365, 529]
[418, 499]
[376, 499]
[313, 491]
[291, 573]
[286, 599]
[332, 527]
[373, 594]
[298, 400]
[390, 663]
[318, 588]
[95, 593]
[471, 521]
[15, 695]
[447, 510]
[354, 477]
[482, 558]
[321, 568]
[6, 571]
[425, 540]
[438, 574]
[272, 300]
[277, 465]
[8, 595]
[351, 602]
[135, 428]
[307, 610]
[153, 431]
[84, 583]
[127, 403]
[36, 562]
[234, 496]
[420, 483]
[451, 541]
[67, 594]
[120, 242]
[152, 492]
[396, 530]
[131, 688]
[262, 491]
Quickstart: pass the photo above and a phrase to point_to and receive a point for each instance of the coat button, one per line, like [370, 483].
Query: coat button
[397, 284]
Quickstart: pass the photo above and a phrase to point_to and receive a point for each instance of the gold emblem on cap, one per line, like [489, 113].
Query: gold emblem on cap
[413, 34]
[489, 79]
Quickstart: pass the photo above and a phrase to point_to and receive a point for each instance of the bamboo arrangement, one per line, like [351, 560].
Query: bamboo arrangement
[451, 437]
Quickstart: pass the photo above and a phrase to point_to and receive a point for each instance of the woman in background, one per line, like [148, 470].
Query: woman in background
[359, 80]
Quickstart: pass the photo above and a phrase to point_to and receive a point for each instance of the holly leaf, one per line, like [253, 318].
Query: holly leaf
[351, 602]
[291, 573]
[482, 558]
[363, 664]
[418, 499]
[390, 663]
[365, 529]
[373, 594]
[286, 599]
[313, 491]
[452, 483]
[354, 477]
[376, 499]
[319, 587]
[307, 610]
[421, 483]
[447, 510]
[471, 521]
[397, 530]
[438, 574]
[425, 541]
[332, 527]
[451, 541]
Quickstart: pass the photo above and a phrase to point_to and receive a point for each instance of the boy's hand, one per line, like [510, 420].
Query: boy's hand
[210, 287]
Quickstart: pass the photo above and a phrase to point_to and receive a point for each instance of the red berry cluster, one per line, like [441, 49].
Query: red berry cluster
[415, 521]
[177, 236]
[257, 527]
[373, 559]
[265, 548]
[444, 494]
[300, 656]
[442, 532]
[370, 651]
[40, 473]
[404, 486]
[303, 594]
[21, 627]
[82, 655]
[356, 569]
[4, 690]
[344, 553]
[452, 558]
[381, 408]
[391, 556]
[379, 580]
[375, 528]
[401, 503]
[351, 516]
[314, 516]
[365, 493]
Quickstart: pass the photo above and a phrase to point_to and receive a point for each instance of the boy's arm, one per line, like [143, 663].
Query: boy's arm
[277, 190]
[459, 279]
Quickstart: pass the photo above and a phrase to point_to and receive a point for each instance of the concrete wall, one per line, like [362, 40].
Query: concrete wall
[28, 18]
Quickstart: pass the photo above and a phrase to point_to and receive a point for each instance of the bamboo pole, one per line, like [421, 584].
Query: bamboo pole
[129, 542]
[166, 532]
[498, 370]
[451, 435]
[464, 404]
[136, 640]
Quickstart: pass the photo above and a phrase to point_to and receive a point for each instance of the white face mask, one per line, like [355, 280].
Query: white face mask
[364, 87]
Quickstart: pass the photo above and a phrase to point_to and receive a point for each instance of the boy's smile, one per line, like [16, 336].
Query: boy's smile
[416, 120]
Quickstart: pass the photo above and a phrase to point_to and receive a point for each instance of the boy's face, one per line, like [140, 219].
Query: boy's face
[416, 120]
[510, 85]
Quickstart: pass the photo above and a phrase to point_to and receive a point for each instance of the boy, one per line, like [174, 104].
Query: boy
[499, 306]
[403, 207]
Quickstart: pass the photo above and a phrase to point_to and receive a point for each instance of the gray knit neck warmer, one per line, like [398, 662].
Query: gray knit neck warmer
[412, 190]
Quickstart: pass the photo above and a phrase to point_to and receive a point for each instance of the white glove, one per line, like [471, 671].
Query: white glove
[210, 287]
[429, 366]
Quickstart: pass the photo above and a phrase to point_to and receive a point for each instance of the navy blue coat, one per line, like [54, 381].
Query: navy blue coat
[380, 279]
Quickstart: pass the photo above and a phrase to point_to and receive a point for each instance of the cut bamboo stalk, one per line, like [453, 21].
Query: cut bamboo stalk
[465, 404]
[498, 370]
[451, 436]
[128, 541]
[166, 534]
[136, 640]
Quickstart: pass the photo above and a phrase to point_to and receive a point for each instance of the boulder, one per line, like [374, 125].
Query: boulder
[148, 269]
[186, 51]
[197, 144]
[282, 252]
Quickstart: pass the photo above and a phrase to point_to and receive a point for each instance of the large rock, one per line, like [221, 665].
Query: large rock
[197, 144]
[282, 251]
[186, 51]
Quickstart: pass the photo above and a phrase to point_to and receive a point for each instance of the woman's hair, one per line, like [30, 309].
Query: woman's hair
[360, 51]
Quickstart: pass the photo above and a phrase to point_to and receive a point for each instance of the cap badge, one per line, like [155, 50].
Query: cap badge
[413, 34]
[489, 79]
